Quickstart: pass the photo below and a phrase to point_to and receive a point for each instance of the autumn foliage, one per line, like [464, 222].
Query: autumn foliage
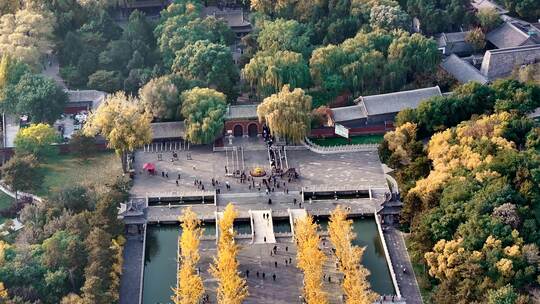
[310, 260]
[190, 286]
[232, 289]
[355, 284]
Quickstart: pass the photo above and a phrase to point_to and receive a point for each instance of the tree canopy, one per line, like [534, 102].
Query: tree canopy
[21, 174]
[210, 63]
[268, 72]
[287, 113]
[204, 112]
[231, 287]
[38, 96]
[119, 119]
[37, 139]
[161, 99]
[26, 35]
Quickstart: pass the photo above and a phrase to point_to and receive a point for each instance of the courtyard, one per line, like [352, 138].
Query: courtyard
[201, 172]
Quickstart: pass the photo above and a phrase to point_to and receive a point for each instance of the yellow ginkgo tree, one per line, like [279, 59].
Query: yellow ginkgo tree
[310, 260]
[355, 284]
[232, 289]
[120, 120]
[190, 285]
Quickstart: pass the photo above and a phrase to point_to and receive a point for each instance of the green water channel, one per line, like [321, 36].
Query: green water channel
[161, 246]
[374, 260]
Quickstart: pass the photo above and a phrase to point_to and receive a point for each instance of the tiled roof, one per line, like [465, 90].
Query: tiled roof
[241, 112]
[511, 34]
[454, 43]
[163, 130]
[482, 4]
[348, 113]
[462, 70]
[93, 96]
[397, 101]
[500, 63]
[234, 17]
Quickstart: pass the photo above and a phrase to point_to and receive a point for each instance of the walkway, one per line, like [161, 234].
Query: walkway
[53, 70]
[263, 227]
[400, 259]
[130, 281]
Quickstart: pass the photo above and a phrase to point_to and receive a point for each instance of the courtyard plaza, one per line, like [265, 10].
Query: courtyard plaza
[200, 170]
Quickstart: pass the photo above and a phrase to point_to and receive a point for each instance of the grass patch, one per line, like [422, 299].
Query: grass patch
[355, 140]
[66, 169]
[5, 202]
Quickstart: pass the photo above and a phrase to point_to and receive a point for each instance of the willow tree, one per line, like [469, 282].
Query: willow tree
[268, 72]
[232, 289]
[190, 285]
[287, 113]
[204, 110]
[310, 260]
[355, 284]
[121, 122]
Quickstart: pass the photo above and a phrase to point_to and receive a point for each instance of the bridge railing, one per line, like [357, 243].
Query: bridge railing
[339, 149]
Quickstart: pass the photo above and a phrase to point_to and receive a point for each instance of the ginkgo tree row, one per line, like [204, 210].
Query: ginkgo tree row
[232, 288]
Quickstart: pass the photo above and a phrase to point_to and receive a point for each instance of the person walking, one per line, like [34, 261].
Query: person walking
[275, 263]
[274, 277]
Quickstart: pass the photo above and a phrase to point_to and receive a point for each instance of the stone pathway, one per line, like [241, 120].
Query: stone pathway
[263, 227]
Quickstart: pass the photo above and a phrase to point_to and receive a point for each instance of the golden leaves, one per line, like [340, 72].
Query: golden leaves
[190, 285]
[310, 260]
[232, 289]
[355, 284]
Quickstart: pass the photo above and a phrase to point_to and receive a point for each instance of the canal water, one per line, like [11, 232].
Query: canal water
[161, 246]
[373, 259]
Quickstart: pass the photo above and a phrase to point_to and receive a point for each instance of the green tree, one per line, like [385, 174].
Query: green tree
[37, 139]
[204, 111]
[284, 35]
[503, 295]
[389, 18]
[81, 145]
[489, 18]
[108, 81]
[440, 16]
[160, 98]
[75, 198]
[121, 122]
[21, 173]
[209, 63]
[40, 97]
[268, 72]
[287, 113]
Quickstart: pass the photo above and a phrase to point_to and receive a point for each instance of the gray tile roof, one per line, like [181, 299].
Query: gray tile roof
[454, 43]
[92, 96]
[397, 101]
[241, 112]
[349, 113]
[462, 70]
[511, 34]
[163, 130]
[500, 63]
[234, 17]
[482, 4]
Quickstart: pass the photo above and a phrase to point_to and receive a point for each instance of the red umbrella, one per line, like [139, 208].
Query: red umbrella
[149, 166]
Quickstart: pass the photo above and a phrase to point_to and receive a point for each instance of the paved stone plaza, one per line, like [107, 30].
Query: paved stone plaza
[317, 172]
